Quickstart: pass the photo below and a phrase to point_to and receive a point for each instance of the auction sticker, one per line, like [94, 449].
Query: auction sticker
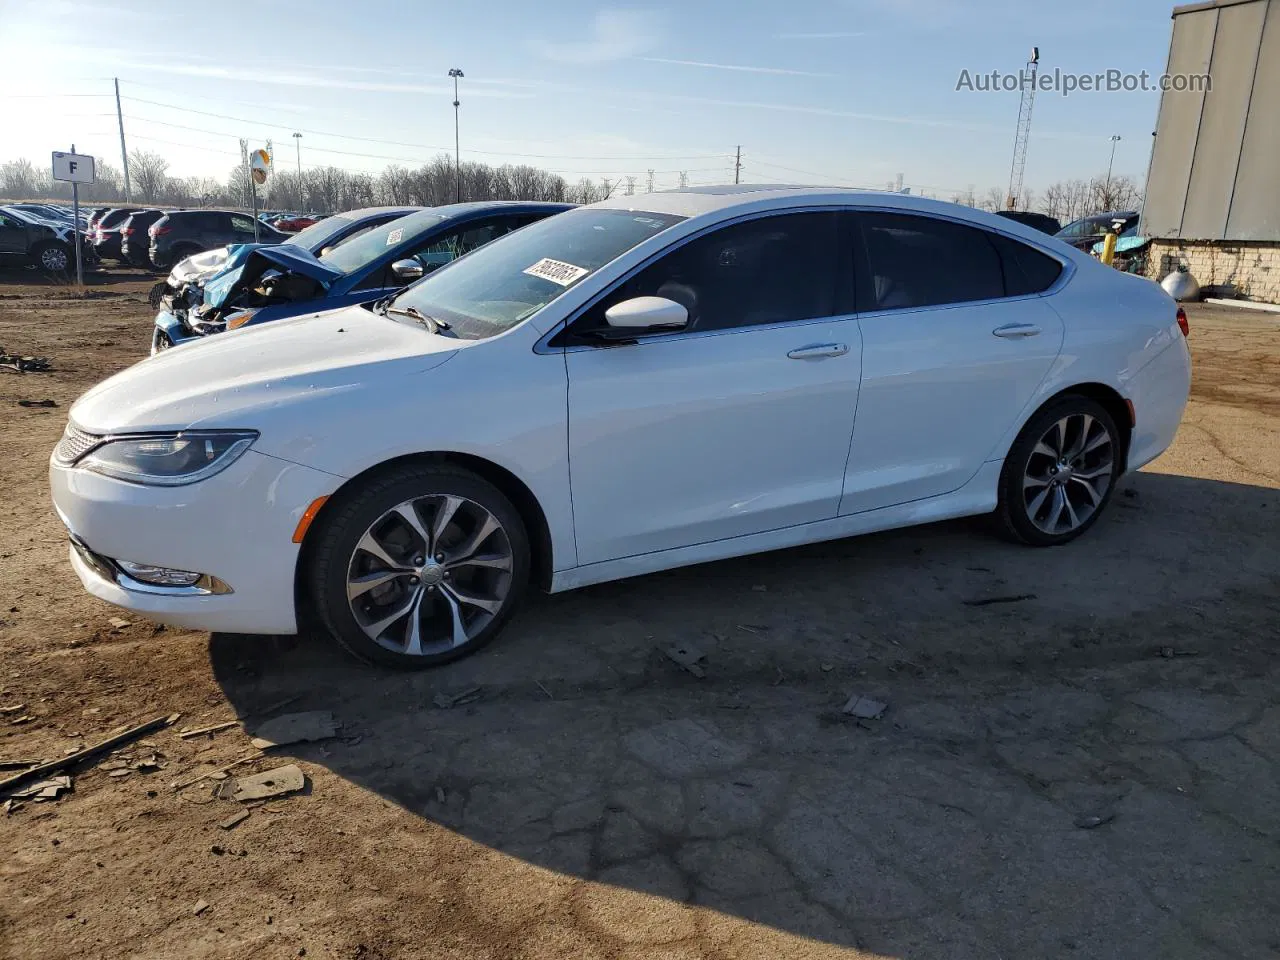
[557, 271]
[395, 236]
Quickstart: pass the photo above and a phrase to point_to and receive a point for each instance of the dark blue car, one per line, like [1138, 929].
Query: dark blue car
[273, 282]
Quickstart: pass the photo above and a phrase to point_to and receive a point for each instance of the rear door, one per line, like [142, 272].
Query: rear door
[738, 424]
[956, 339]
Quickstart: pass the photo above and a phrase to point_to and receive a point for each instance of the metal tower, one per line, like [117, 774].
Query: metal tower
[1023, 135]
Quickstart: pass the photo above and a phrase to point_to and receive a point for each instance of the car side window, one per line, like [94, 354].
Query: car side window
[1026, 271]
[241, 224]
[913, 261]
[775, 269]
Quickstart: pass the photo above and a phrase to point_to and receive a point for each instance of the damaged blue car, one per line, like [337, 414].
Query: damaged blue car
[262, 283]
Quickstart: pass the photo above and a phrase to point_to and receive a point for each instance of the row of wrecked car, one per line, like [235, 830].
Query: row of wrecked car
[349, 258]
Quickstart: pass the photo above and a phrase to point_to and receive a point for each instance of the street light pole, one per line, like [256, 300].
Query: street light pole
[457, 148]
[297, 143]
[1115, 138]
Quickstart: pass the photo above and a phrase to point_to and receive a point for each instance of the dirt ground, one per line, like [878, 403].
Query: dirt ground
[598, 801]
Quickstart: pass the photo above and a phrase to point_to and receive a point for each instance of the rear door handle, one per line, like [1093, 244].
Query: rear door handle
[1016, 331]
[819, 350]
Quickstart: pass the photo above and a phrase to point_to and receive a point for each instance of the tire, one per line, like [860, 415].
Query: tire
[1051, 460]
[51, 257]
[461, 604]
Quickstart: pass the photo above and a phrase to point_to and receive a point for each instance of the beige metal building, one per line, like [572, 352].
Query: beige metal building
[1213, 188]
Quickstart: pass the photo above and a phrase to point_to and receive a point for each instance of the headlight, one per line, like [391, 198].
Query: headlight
[169, 460]
[237, 320]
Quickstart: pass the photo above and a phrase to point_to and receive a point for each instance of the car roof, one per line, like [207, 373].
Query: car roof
[475, 207]
[721, 202]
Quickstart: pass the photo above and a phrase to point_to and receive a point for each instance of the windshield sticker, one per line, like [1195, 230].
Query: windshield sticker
[557, 271]
[395, 236]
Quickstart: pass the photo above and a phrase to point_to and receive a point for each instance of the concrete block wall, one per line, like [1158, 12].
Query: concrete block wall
[1252, 267]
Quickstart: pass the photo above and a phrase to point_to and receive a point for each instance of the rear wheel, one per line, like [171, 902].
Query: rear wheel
[52, 257]
[418, 567]
[1060, 473]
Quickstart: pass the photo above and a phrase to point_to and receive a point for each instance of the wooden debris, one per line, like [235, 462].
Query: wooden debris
[864, 708]
[263, 786]
[217, 774]
[49, 789]
[201, 731]
[686, 655]
[19, 764]
[56, 766]
[232, 822]
[200, 907]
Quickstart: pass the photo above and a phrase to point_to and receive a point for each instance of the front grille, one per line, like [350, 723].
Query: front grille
[75, 443]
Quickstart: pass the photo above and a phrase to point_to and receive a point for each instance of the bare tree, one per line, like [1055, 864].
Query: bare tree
[18, 180]
[148, 173]
[994, 199]
[1114, 193]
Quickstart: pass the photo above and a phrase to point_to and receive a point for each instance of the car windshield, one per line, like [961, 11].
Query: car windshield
[317, 236]
[363, 250]
[497, 286]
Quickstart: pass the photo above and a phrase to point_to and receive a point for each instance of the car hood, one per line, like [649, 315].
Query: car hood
[251, 262]
[233, 379]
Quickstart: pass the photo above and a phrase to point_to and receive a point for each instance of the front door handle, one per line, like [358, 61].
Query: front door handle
[819, 350]
[1016, 331]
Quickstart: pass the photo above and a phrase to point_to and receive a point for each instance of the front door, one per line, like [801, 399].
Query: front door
[736, 425]
[956, 341]
[13, 236]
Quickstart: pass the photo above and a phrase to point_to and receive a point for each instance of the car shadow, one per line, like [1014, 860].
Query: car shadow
[582, 747]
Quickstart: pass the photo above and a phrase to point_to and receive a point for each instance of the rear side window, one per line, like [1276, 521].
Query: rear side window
[915, 261]
[1026, 270]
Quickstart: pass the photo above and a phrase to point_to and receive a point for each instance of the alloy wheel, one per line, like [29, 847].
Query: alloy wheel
[53, 258]
[429, 574]
[1068, 474]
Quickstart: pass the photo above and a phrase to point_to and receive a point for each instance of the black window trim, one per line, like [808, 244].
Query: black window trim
[1068, 268]
[546, 343]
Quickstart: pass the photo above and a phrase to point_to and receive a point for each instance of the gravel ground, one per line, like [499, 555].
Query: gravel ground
[598, 801]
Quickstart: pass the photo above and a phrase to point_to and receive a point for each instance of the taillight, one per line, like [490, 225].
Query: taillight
[157, 230]
[126, 231]
[1182, 322]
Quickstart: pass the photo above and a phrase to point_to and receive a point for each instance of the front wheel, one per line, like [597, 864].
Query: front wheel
[419, 566]
[1060, 473]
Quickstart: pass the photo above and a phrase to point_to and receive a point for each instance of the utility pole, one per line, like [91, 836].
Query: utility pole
[684, 179]
[1110, 163]
[124, 154]
[737, 165]
[297, 142]
[649, 183]
[457, 148]
[631, 187]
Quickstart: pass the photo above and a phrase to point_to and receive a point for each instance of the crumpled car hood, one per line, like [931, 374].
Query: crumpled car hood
[225, 285]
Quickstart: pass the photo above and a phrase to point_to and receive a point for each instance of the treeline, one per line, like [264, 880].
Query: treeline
[1066, 200]
[319, 189]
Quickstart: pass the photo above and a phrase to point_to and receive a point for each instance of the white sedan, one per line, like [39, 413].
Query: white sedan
[627, 387]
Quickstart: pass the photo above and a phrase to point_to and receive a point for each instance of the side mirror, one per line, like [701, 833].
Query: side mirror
[646, 313]
[408, 270]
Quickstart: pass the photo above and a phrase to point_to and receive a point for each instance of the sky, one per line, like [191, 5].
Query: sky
[851, 92]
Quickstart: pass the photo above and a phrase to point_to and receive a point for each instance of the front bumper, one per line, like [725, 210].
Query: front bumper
[236, 526]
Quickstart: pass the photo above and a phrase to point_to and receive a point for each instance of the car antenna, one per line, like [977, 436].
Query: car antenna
[613, 188]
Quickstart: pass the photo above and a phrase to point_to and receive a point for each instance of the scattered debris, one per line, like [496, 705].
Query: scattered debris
[19, 364]
[827, 667]
[217, 727]
[277, 705]
[200, 907]
[988, 601]
[149, 764]
[10, 807]
[1170, 652]
[36, 403]
[118, 623]
[25, 718]
[687, 656]
[263, 786]
[56, 766]
[49, 789]
[122, 772]
[218, 774]
[864, 708]
[16, 708]
[440, 795]
[544, 689]
[294, 728]
[760, 588]
[444, 701]
[751, 628]
[19, 764]
[232, 822]
[1094, 820]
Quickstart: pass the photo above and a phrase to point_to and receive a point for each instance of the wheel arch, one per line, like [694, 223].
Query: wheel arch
[511, 486]
[1108, 397]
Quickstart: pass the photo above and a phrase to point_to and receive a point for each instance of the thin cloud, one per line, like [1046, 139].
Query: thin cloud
[614, 35]
[777, 71]
[834, 35]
